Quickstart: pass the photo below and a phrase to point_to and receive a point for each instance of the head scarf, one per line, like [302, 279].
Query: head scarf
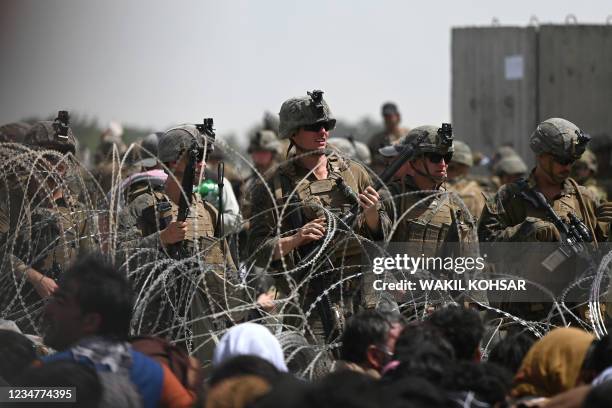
[553, 363]
[250, 339]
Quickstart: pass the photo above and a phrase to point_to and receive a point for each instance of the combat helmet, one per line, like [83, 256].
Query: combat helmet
[302, 111]
[462, 153]
[344, 146]
[511, 165]
[433, 140]
[264, 140]
[175, 141]
[55, 135]
[560, 138]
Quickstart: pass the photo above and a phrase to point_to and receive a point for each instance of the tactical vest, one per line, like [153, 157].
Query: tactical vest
[200, 224]
[318, 194]
[426, 219]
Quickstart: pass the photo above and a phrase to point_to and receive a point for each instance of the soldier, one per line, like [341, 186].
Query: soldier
[392, 133]
[352, 149]
[515, 214]
[459, 181]
[584, 171]
[264, 150]
[426, 218]
[43, 226]
[510, 169]
[314, 184]
[203, 285]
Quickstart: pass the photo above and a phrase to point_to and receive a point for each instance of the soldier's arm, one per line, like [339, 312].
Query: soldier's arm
[130, 236]
[384, 222]
[495, 224]
[265, 242]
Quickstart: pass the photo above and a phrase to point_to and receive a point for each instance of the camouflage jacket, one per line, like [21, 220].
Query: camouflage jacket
[423, 220]
[508, 208]
[141, 222]
[272, 199]
[470, 192]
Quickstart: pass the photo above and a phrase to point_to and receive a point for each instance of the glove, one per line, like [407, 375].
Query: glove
[604, 212]
[535, 229]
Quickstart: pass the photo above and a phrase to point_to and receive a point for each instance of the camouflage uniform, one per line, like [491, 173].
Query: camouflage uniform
[431, 224]
[294, 189]
[589, 161]
[42, 225]
[469, 190]
[210, 284]
[511, 216]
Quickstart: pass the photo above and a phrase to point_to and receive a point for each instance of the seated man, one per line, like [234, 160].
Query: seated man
[88, 319]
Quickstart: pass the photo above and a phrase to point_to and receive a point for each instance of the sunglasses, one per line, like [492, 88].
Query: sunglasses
[563, 162]
[437, 158]
[315, 127]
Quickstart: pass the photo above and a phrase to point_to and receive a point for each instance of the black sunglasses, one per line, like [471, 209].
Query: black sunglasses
[437, 158]
[315, 127]
[563, 162]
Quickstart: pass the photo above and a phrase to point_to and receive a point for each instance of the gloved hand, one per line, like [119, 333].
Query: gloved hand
[604, 212]
[535, 229]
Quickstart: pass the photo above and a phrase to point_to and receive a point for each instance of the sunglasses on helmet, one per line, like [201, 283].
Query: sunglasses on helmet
[315, 127]
[437, 157]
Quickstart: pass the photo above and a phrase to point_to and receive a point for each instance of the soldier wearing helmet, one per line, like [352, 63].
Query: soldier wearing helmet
[43, 225]
[420, 190]
[352, 149]
[516, 212]
[460, 182]
[584, 171]
[149, 230]
[427, 215]
[313, 184]
[510, 169]
[264, 148]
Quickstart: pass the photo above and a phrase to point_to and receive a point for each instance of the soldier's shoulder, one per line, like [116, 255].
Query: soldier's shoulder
[144, 200]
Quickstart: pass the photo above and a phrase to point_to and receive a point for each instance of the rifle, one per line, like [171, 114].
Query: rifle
[195, 154]
[406, 154]
[574, 234]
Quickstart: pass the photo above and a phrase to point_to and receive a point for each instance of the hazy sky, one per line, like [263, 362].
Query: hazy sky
[152, 63]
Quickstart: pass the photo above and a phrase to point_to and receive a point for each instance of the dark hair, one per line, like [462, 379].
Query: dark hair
[422, 352]
[245, 365]
[599, 396]
[417, 334]
[490, 382]
[511, 350]
[65, 374]
[599, 355]
[102, 289]
[461, 327]
[413, 392]
[364, 329]
[17, 352]
[345, 389]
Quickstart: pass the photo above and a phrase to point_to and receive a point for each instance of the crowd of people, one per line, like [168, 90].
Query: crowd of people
[163, 275]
